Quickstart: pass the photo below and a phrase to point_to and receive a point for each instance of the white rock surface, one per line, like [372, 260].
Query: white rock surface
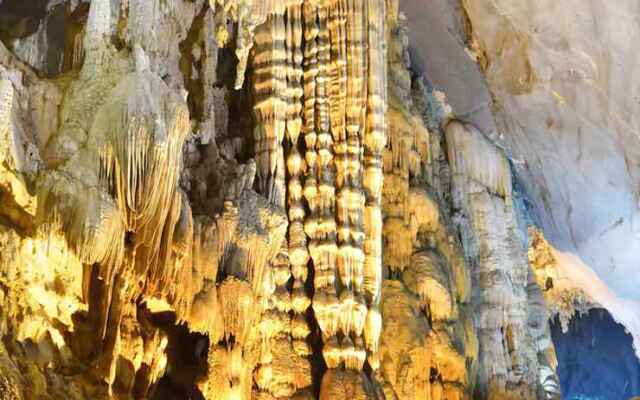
[567, 111]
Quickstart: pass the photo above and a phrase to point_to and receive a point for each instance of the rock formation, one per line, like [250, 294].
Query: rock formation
[254, 199]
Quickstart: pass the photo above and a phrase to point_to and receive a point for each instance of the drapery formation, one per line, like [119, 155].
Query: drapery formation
[320, 89]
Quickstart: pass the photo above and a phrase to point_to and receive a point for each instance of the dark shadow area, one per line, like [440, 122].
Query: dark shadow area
[63, 28]
[187, 361]
[318, 365]
[19, 18]
[596, 360]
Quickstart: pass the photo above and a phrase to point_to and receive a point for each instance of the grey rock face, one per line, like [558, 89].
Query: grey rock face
[503, 308]
[557, 77]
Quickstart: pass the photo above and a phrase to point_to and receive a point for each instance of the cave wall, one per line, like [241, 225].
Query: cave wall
[549, 83]
[247, 199]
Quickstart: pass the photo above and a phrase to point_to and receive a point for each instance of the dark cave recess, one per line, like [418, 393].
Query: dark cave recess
[596, 359]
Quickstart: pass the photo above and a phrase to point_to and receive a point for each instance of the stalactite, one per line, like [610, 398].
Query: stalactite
[237, 309]
[247, 15]
[336, 74]
[245, 38]
[278, 74]
[427, 278]
[7, 145]
[325, 245]
[298, 253]
[270, 108]
[322, 258]
[139, 168]
[375, 139]
[141, 14]
[481, 161]
[343, 27]
[94, 233]
[337, 82]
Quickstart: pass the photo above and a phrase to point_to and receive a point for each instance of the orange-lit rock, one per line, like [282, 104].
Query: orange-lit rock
[252, 199]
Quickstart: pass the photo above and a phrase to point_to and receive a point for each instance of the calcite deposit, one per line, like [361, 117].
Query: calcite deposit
[256, 199]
